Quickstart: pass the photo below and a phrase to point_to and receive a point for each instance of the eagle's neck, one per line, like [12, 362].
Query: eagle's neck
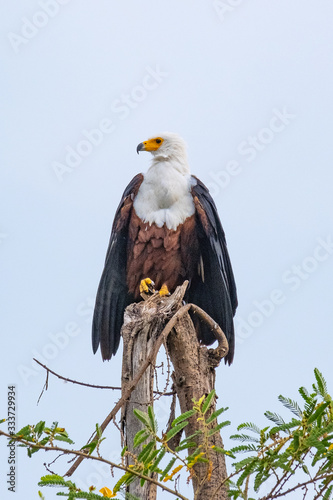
[165, 195]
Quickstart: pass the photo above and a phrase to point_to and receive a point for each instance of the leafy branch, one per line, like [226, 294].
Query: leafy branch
[298, 445]
[297, 452]
[32, 446]
[155, 448]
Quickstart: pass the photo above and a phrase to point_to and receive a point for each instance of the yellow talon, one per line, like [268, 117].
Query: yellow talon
[147, 286]
[164, 290]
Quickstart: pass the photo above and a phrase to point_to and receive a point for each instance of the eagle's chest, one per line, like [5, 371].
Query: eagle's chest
[164, 198]
[165, 255]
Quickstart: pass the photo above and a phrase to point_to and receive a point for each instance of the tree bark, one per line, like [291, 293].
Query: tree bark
[137, 341]
[193, 376]
[141, 331]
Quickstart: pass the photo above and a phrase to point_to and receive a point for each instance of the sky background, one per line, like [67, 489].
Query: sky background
[248, 84]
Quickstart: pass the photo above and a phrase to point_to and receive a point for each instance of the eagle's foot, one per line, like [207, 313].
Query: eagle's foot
[147, 286]
[164, 290]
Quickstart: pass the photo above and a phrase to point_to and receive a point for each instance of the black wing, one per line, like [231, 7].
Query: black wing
[213, 287]
[112, 294]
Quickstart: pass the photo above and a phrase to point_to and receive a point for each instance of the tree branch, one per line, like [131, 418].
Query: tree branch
[48, 370]
[92, 457]
[174, 300]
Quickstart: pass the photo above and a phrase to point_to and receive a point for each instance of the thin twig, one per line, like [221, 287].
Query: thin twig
[92, 457]
[167, 382]
[45, 387]
[48, 370]
[74, 381]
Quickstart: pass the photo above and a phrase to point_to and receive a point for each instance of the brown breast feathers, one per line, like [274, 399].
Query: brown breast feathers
[166, 256]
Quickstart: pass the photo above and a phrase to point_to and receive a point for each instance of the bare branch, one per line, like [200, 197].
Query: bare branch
[48, 370]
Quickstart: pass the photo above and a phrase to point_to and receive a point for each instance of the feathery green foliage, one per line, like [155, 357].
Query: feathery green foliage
[39, 435]
[300, 448]
[289, 447]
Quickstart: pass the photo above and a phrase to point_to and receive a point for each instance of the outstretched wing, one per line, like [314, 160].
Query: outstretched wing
[213, 287]
[112, 295]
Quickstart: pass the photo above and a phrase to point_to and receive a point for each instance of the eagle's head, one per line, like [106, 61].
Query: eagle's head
[165, 146]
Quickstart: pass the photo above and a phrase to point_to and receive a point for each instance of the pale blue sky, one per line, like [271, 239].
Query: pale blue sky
[249, 87]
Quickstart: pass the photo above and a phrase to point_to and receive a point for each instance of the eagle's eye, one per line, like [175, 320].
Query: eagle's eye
[158, 141]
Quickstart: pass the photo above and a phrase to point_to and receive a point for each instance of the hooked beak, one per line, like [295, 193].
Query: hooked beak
[140, 147]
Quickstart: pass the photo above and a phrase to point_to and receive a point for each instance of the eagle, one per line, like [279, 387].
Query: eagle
[166, 230]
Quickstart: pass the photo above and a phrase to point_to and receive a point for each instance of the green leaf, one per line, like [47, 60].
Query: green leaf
[90, 446]
[208, 401]
[159, 457]
[244, 437]
[150, 459]
[321, 384]
[328, 493]
[222, 451]
[146, 451]
[140, 437]
[125, 479]
[186, 446]
[218, 428]
[31, 451]
[183, 416]
[304, 393]
[248, 470]
[215, 414]
[274, 417]
[249, 426]
[98, 431]
[152, 418]
[39, 427]
[285, 427]
[53, 480]
[295, 442]
[319, 411]
[244, 448]
[44, 441]
[196, 433]
[172, 432]
[143, 417]
[196, 452]
[168, 468]
[25, 432]
[260, 478]
[305, 469]
[63, 438]
[291, 405]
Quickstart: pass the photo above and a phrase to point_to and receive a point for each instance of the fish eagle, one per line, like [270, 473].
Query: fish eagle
[166, 228]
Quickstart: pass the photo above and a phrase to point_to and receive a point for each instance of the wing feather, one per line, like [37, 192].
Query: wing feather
[213, 288]
[112, 295]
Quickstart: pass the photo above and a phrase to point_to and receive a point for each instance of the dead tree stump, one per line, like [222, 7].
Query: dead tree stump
[194, 376]
[147, 325]
[137, 346]
[143, 324]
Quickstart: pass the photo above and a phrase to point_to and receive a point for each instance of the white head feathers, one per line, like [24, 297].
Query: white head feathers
[165, 195]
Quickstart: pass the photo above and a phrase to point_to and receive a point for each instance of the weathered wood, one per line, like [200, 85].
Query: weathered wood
[193, 376]
[137, 346]
[143, 323]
